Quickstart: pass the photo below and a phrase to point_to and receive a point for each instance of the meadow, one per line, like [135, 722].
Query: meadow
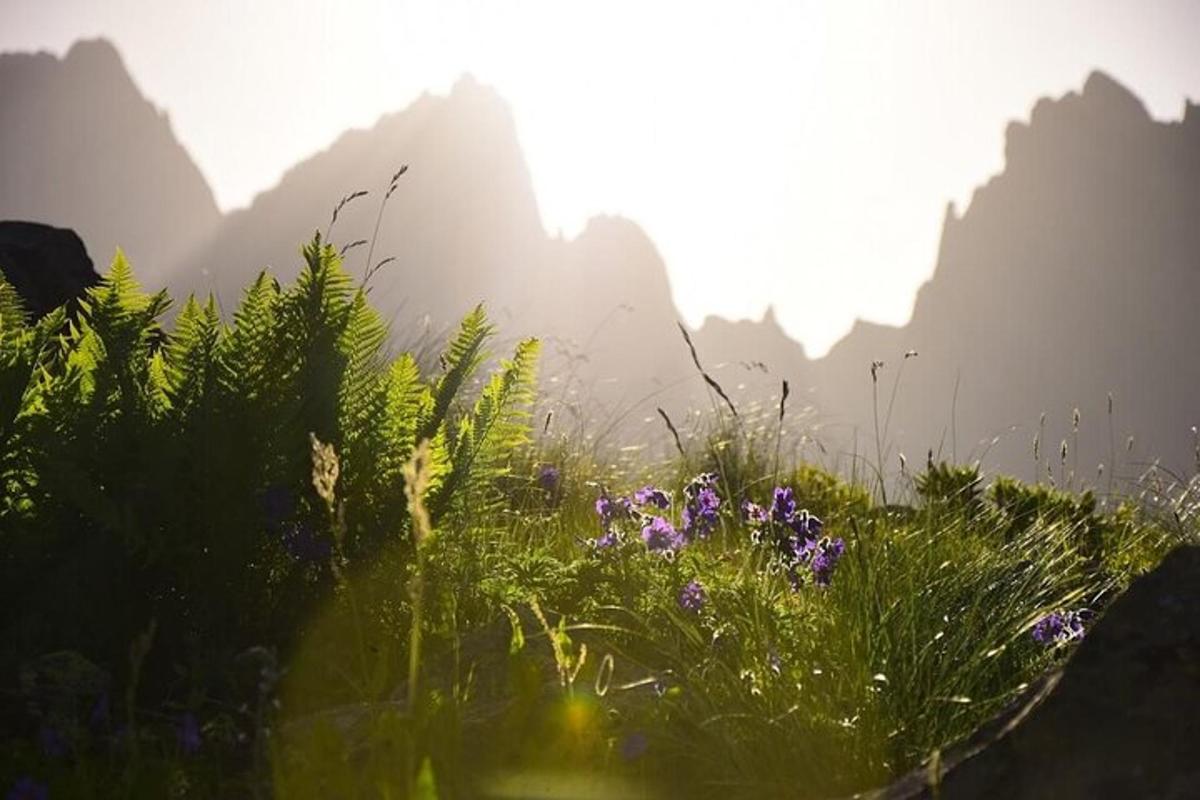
[265, 556]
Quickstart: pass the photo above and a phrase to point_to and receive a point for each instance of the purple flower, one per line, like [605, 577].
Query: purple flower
[806, 525]
[27, 788]
[752, 512]
[794, 538]
[1047, 629]
[1060, 627]
[787, 548]
[607, 539]
[548, 477]
[692, 597]
[611, 510]
[651, 496]
[823, 559]
[700, 513]
[783, 505]
[187, 733]
[660, 536]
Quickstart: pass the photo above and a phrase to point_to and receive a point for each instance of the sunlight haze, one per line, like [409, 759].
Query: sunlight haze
[794, 154]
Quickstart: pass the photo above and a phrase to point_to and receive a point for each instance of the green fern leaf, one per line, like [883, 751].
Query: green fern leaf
[461, 360]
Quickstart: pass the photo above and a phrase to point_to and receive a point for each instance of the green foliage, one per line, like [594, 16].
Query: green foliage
[1022, 507]
[953, 487]
[827, 495]
[156, 473]
[160, 518]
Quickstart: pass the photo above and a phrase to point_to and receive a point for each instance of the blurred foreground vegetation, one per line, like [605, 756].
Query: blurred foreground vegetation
[264, 557]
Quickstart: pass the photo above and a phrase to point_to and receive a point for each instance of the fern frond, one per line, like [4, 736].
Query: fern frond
[406, 395]
[362, 341]
[461, 360]
[156, 389]
[498, 424]
[191, 354]
[245, 350]
[363, 398]
[14, 316]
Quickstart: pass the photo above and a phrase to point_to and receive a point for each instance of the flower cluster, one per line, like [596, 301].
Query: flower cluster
[794, 538]
[1060, 627]
[661, 536]
[644, 512]
[612, 511]
[822, 557]
[692, 597]
[652, 496]
[701, 503]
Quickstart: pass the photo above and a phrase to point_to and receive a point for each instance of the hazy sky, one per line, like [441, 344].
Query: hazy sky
[794, 153]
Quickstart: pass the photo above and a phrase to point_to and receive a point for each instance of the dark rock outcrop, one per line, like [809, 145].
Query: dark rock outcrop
[47, 266]
[81, 147]
[1121, 720]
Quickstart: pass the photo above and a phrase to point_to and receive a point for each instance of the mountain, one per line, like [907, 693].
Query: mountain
[80, 147]
[464, 227]
[1068, 276]
[1073, 274]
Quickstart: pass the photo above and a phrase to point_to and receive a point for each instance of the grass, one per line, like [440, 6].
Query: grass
[496, 651]
[552, 667]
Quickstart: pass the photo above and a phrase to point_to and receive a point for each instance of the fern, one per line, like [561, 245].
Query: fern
[246, 351]
[192, 354]
[145, 458]
[497, 425]
[362, 407]
[14, 317]
[24, 353]
[461, 360]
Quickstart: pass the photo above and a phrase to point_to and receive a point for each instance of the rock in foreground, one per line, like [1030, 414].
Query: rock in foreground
[1121, 720]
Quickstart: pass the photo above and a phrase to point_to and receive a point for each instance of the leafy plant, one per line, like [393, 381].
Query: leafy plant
[162, 473]
[953, 487]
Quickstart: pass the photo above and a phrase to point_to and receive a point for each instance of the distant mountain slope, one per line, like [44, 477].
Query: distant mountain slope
[81, 148]
[1072, 274]
[464, 227]
[463, 223]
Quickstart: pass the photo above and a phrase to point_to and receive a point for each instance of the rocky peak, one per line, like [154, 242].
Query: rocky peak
[80, 146]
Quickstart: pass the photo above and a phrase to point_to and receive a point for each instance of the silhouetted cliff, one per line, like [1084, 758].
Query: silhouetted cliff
[1071, 274]
[81, 148]
[464, 227]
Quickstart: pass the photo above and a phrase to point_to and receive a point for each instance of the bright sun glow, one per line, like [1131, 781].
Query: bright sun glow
[799, 154]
